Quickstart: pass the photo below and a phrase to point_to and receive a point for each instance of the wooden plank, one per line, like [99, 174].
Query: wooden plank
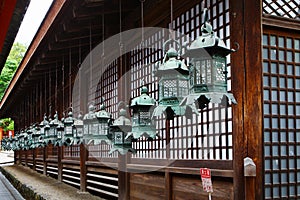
[102, 170]
[71, 162]
[51, 160]
[102, 164]
[215, 164]
[77, 167]
[178, 170]
[147, 186]
[187, 187]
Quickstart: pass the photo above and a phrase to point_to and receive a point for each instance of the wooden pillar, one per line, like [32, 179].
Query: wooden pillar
[59, 163]
[15, 156]
[45, 160]
[124, 178]
[33, 159]
[26, 158]
[20, 156]
[246, 73]
[83, 169]
[168, 181]
[168, 185]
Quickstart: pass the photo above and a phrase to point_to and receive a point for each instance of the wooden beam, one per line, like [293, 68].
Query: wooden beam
[281, 22]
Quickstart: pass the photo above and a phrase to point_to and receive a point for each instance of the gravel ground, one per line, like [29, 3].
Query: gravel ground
[47, 187]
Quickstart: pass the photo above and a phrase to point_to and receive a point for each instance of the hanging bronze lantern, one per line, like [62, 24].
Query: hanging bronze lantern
[13, 143]
[103, 121]
[29, 140]
[173, 85]
[20, 135]
[44, 132]
[78, 130]
[142, 110]
[69, 130]
[53, 129]
[119, 130]
[90, 125]
[4, 143]
[208, 69]
[60, 132]
[35, 135]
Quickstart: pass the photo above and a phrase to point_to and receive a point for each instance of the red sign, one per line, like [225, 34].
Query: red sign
[206, 179]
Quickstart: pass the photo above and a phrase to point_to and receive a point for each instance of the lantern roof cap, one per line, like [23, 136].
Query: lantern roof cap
[91, 114]
[103, 114]
[208, 43]
[122, 120]
[143, 99]
[171, 62]
[69, 119]
[55, 121]
[78, 121]
[45, 121]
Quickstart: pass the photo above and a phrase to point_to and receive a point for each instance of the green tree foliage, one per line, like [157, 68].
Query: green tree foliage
[13, 60]
[7, 124]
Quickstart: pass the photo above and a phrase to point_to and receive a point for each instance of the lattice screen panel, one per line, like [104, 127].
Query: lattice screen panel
[207, 136]
[282, 8]
[71, 151]
[281, 82]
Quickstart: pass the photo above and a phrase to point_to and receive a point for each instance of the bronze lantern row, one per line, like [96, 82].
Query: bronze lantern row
[183, 89]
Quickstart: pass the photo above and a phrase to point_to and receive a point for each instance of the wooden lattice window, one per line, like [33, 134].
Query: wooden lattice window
[207, 136]
[282, 8]
[281, 83]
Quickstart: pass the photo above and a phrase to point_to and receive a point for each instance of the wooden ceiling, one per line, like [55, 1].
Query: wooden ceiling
[70, 30]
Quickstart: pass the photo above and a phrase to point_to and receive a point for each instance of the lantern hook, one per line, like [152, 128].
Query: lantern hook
[237, 47]
[169, 41]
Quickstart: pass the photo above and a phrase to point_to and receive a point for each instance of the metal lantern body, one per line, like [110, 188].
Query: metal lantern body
[90, 125]
[9, 143]
[14, 143]
[44, 132]
[208, 70]
[29, 140]
[78, 130]
[173, 85]
[21, 139]
[67, 138]
[53, 130]
[60, 132]
[4, 144]
[36, 137]
[142, 108]
[119, 130]
[104, 121]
